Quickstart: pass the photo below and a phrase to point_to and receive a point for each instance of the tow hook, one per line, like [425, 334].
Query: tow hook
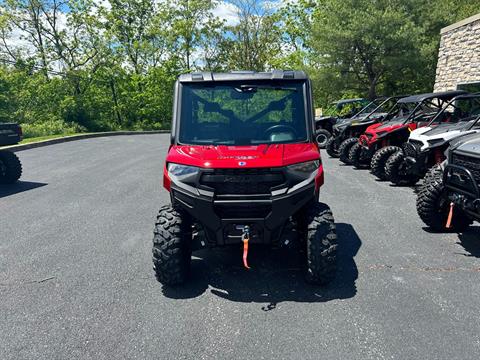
[245, 239]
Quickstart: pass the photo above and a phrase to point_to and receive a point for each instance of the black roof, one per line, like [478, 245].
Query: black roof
[243, 75]
[467, 96]
[444, 95]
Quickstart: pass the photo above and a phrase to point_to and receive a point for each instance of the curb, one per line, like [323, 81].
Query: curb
[21, 147]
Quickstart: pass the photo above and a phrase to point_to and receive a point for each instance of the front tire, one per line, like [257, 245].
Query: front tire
[322, 136]
[10, 167]
[379, 160]
[344, 149]
[321, 245]
[433, 205]
[331, 148]
[172, 246]
[355, 156]
[394, 173]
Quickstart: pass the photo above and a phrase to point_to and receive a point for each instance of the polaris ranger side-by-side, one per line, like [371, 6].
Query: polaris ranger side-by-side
[449, 199]
[339, 110]
[426, 146]
[10, 166]
[382, 140]
[243, 168]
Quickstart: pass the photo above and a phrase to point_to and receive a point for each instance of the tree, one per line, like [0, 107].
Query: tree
[192, 26]
[256, 40]
[371, 41]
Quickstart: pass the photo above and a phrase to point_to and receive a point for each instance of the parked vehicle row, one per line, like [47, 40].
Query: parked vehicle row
[434, 136]
[10, 166]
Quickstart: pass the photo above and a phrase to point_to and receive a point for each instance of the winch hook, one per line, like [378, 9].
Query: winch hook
[245, 239]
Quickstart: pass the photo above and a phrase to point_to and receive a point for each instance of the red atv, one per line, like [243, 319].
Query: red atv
[381, 140]
[243, 168]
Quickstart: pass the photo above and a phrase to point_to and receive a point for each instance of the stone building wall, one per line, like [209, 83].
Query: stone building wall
[459, 55]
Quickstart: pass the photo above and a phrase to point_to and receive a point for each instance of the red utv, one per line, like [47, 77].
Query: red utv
[243, 167]
[381, 140]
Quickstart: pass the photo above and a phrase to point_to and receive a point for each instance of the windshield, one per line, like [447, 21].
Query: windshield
[414, 111]
[372, 106]
[345, 109]
[461, 109]
[242, 114]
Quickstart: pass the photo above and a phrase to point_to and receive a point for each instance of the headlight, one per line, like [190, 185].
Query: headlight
[305, 167]
[181, 170]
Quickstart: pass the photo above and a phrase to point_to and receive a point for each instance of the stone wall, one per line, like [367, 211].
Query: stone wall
[459, 54]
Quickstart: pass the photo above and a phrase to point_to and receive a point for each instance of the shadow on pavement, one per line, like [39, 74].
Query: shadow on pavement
[276, 275]
[470, 240]
[18, 187]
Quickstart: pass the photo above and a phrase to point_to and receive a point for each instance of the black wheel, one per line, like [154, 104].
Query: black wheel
[433, 205]
[321, 244]
[395, 170]
[344, 149]
[172, 246]
[356, 156]
[322, 136]
[331, 148]
[379, 160]
[10, 167]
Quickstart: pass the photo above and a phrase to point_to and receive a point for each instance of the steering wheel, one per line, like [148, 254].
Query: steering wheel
[279, 128]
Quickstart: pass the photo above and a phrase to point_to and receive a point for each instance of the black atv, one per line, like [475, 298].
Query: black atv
[449, 199]
[341, 109]
[10, 166]
[346, 132]
[426, 146]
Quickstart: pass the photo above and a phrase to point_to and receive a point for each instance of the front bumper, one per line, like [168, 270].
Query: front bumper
[223, 216]
[463, 189]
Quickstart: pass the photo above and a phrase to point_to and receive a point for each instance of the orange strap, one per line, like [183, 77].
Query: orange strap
[245, 251]
[450, 216]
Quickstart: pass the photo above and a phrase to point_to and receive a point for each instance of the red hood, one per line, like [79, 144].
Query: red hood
[381, 127]
[223, 156]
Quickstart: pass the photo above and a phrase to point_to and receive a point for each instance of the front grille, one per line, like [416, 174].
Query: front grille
[242, 181]
[470, 163]
[242, 211]
[412, 148]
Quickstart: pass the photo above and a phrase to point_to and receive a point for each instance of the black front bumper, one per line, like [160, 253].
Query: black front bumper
[463, 189]
[223, 216]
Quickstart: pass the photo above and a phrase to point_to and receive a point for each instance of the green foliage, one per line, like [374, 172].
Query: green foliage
[50, 127]
[83, 66]
[379, 47]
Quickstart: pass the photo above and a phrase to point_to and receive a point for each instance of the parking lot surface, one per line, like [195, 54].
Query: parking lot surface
[76, 277]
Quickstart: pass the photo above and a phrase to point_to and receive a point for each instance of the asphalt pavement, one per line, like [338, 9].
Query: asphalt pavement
[76, 279]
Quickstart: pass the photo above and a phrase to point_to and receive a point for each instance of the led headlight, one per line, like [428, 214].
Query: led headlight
[305, 167]
[181, 170]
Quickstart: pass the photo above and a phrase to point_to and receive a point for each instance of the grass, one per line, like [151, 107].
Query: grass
[47, 137]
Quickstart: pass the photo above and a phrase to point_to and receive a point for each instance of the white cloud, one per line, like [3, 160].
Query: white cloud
[228, 12]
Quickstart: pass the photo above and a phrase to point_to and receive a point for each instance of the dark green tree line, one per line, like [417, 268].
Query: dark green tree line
[91, 65]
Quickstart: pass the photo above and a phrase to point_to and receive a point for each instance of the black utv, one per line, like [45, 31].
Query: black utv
[340, 109]
[449, 199]
[10, 166]
[347, 131]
